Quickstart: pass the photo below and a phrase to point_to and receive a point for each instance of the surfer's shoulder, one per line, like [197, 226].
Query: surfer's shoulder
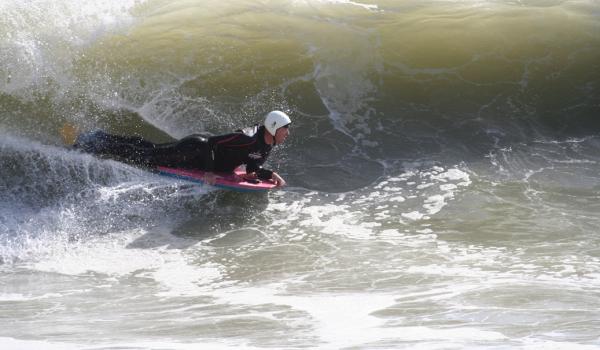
[250, 131]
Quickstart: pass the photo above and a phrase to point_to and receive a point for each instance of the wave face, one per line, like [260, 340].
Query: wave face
[443, 168]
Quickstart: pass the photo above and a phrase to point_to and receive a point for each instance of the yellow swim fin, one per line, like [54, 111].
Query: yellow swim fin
[69, 134]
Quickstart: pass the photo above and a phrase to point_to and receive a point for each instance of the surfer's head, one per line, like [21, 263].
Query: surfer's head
[277, 124]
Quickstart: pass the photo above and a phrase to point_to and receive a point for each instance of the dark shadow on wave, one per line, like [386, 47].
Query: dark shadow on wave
[217, 212]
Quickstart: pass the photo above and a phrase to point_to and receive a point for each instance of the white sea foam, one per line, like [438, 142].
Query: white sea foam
[46, 37]
[136, 253]
[370, 7]
[413, 215]
[364, 214]
[23, 297]
[180, 277]
[22, 344]
[106, 255]
[343, 320]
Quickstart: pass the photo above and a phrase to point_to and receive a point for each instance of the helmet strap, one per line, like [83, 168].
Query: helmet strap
[273, 141]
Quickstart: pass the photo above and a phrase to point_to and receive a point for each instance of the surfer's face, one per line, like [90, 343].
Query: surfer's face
[281, 134]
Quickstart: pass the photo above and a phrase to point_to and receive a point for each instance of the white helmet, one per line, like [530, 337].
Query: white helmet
[276, 120]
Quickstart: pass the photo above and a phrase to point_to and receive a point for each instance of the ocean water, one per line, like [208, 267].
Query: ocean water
[443, 170]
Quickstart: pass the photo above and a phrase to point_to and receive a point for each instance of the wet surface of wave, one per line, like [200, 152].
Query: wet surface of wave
[442, 167]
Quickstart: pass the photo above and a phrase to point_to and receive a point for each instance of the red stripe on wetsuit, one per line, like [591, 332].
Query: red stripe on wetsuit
[233, 138]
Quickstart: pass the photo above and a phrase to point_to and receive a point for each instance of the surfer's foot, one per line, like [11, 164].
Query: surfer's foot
[69, 134]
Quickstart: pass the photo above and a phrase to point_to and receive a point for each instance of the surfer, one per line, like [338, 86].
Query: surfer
[223, 153]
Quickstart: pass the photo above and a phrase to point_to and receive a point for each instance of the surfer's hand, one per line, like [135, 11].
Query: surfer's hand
[279, 181]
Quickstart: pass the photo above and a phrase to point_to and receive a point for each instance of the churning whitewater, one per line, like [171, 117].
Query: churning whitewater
[443, 172]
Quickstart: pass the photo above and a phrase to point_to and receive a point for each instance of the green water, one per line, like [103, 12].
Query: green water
[442, 168]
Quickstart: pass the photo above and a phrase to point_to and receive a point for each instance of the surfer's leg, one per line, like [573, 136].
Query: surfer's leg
[90, 142]
[189, 153]
[126, 148]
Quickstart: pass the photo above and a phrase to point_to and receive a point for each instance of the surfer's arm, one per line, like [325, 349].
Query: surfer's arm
[255, 166]
[214, 143]
[279, 181]
[264, 174]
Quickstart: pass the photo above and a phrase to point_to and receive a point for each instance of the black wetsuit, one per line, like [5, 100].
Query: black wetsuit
[221, 153]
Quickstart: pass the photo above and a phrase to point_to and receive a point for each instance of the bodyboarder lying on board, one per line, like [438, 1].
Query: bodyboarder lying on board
[221, 154]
